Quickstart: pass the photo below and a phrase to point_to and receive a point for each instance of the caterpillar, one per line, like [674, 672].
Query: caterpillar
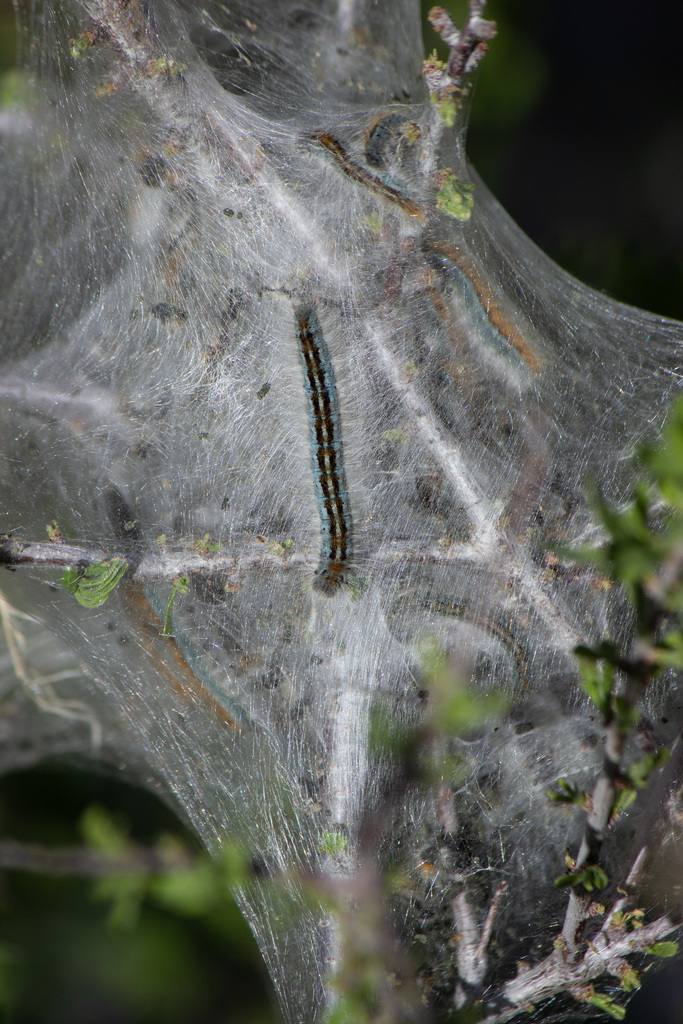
[358, 173]
[327, 460]
[500, 322]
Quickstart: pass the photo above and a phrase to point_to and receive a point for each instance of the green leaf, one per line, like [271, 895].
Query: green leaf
[622, 801]
[333, 843]
[125, 892]
[447, 112]
[597, 675]
[664, 949]
[181, 585]
[590, 876]
[192, 893]
[604, 1002]
[665, 462]
[630, 979]
[206, 544]
[397, 434]
[640, 771]
[455, 197]
[569, 794]
[203, 886]
[625, 714]
[457, 708]
[101, 832]
[92, 586]
[668, 653]
[53, 531]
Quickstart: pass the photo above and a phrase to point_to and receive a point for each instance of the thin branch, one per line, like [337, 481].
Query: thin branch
[471, 967]
[447, 83]
[557, 974]
[490, 919]
[468, 45]
[79, 860]
[256, 553]
[471, 950]
[601, 805]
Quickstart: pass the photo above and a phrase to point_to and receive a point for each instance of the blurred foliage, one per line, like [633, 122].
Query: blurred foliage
[641, 551]
[128, 947]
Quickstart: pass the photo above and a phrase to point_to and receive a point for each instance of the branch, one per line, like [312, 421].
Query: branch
[467, 46]
[601, 806]
[557, 974]
[447, 82]
[80, 860]
[257, 553]
[473, 942]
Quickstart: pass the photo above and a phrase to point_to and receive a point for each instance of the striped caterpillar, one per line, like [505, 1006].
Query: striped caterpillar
[327, 460]
[359, 174]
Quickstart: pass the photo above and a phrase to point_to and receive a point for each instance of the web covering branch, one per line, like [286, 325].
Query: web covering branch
[262, 327]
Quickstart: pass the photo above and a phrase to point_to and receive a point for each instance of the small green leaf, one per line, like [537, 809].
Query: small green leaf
[192, 893]
[668, 652]
[206, 544]
[447, 112]
[79, 46]
[92, 586]
[125, 892]
[181, 585]
[603, 1002]
[396, 434]
[568, 794]
[640, 771]
[630, 979]
[53, 531]
[623, 800]
[455, 197]
[665, 461]
[456, 708]
[597, 676]
[333, 843]
[590, 876]
[167, 65]
[625, 715]
[101, 832]
[664, 949]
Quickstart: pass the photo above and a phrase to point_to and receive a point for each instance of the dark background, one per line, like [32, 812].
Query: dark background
[577, 127]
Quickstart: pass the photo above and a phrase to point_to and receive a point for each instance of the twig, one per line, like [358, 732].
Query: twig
[490, 919]
[446, 83]
[471, 967]
[170, 561]
[468, 45]
[557, 974]
[79, 860]
[601, 805]
[472, 944]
